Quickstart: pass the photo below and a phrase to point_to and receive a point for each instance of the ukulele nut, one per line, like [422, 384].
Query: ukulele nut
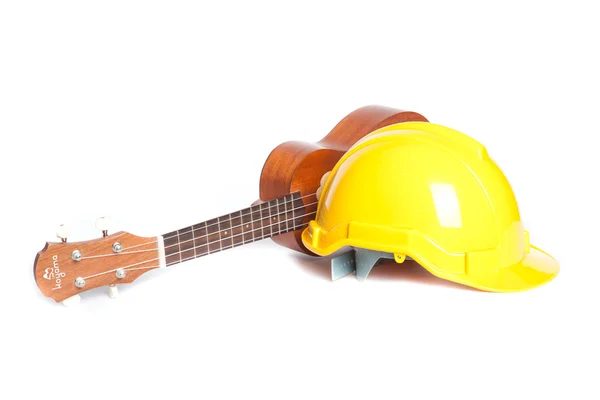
[76, 255]
[79, 282]
[120, 273]
[117, 248]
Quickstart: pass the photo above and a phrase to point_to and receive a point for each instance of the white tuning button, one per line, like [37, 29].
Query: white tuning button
[318, 194]
[62, 232]
[72, 301]
[322, 183]
[324, 178]
[102, 225]
[113, 291]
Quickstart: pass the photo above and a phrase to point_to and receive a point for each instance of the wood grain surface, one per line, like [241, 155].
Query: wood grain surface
[298, 166]
[55, 271]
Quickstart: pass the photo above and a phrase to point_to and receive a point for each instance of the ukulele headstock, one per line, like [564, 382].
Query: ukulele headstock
[63, 270]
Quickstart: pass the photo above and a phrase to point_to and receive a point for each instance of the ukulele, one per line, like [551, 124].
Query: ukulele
[288, 184]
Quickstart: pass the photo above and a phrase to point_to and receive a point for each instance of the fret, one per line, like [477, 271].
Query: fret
[201, 238]
[171, 248]
[299, 210]
[252, 223]
[225, 232]
[278, 217]
[214, 239]
[179, 246]
[270, 219]
[293, 213]
[186, 244]
[220, 233]
[274, 217]
[194, 240]
[282, 215]
[266, 220]
[285, 203]
[262, 221]
[258, 222]
[247, 226]
[231, 231]
[237, 229]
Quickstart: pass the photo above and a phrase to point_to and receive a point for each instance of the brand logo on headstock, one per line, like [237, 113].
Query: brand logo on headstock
[53, 273]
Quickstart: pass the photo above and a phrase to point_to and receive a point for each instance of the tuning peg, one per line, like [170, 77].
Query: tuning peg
[102, 225]
[324, 178]
[72, 301]
[62, 232]
[113, 291]
[321, 184]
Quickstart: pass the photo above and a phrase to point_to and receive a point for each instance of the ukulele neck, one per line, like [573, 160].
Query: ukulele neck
[261, 221]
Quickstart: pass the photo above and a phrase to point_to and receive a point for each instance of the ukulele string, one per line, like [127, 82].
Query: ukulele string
[245, 233]
[231, 246]
[202, 237]
[129, 267]
[213, 224]
[250, 231]
[268, 209]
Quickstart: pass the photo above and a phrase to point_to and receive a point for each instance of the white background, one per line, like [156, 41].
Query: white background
[161, 114]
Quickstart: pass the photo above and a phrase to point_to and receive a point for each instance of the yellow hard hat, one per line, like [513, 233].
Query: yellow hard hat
[431, 193]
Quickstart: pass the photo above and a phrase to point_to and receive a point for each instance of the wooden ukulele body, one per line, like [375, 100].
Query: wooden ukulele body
[298, 166]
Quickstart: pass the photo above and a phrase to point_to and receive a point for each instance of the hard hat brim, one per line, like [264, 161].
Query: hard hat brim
[535, 269]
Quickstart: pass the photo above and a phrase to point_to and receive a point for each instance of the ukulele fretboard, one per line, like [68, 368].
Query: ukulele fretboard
[281, 215]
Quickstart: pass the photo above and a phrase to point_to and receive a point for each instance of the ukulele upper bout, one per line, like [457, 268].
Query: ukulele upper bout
[298, 166]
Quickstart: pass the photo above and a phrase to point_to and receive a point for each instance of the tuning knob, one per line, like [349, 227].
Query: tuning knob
[324, 178]
[322, 183]
[102, 225]
[62, 232]
[72, 301]
[318, 194]
[113, 291]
